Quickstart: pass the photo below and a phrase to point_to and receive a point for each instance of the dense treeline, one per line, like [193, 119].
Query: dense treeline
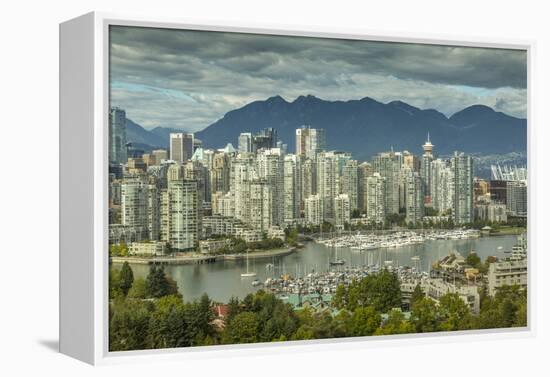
[150, 313]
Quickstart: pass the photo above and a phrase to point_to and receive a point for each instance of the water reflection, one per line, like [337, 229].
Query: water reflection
[222, 280]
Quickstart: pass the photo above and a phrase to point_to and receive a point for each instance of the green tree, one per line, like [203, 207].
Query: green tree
[395, 324]
[129, 325]
[138, 290]
[243, 328]
[417, 295]
[454, 313]
[114, 284]
[126, 278]
[364, 321]
[425, 316]
[473, 260]
[158, 284]
[167, 324]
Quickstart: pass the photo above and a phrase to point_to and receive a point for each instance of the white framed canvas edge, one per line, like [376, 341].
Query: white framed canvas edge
[92, 346]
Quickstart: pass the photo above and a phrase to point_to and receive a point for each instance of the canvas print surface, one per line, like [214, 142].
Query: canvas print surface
[269, 188]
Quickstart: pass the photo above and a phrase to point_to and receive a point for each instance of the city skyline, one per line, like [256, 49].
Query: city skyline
[311, 219]
[190, 78]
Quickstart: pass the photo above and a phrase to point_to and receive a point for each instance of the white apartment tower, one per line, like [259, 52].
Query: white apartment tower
[342, 213]
[376, 195]
[314, 210]
[180, 208]
[291, 188]
[414, 197]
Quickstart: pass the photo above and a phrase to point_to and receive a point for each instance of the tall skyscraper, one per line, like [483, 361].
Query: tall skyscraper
[117, 136]
[266, 139]
[425, 168]
[308, 179]
[342, 211]
[243, 170]
[313, 210]
[327, 182]
[310, 141]
[516, 195]
[140, 208]
[364, 170]
[387, 164]
[463, 188]
[291, 187]
[270, 167]
[350, 184]
[376, 198]
[259, 205]
[414, 197]
[441, 190]
[245, 142]
[181, 146]
[180, 208]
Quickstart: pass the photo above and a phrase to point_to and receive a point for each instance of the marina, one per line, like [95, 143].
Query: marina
[222, 279]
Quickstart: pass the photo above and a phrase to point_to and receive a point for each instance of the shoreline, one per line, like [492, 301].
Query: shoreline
[201, 259]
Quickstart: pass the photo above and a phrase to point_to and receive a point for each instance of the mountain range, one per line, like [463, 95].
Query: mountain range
[363, 127]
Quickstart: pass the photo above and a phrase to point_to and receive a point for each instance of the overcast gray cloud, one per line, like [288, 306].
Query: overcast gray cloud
[189, 79]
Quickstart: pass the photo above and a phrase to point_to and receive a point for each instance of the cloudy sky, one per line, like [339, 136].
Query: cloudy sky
[189, 79]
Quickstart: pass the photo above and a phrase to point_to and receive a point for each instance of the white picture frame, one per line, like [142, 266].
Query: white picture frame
[84, 101]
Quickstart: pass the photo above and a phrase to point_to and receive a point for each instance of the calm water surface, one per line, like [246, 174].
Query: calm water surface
[221, 280]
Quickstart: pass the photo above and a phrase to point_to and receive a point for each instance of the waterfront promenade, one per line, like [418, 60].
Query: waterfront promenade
[194, 258]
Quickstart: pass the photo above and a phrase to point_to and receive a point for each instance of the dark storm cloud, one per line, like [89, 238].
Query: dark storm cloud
[221, 71]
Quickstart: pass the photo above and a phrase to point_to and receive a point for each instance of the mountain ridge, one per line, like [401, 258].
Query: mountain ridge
[366, 126]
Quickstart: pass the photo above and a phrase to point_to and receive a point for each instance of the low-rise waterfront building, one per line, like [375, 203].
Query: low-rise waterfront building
[502, 273]
[153, 248]
[436, 288]
[214, 246]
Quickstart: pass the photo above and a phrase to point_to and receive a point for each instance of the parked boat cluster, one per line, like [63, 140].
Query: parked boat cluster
[362, 242]
[326, 282]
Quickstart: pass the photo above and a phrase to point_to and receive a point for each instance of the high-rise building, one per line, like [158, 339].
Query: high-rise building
[350, 184]
[342, 213]
[414, 197]
[259, 205]
[516, 195]
[310, 141]
[181, 146]
[498, 191]
[376, 198]
[463, 188]
[220, 172]
[425, 168]
[313, 210]
[364, 170]
[387, 164]
[140, 208]
[243, 170]
[117, 136]
[180, 208]
[308, 179]
[329, 168]
[291, 188]
[160, 155]
[442, 192]
[411, 161]
[245, 142]
[270, 167]
[266, 139]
